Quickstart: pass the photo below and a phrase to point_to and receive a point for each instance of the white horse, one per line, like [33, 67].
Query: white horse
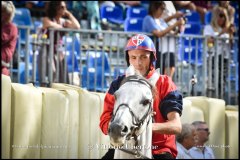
[130, 129]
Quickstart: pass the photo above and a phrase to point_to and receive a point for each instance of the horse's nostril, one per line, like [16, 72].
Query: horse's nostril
[125, 129]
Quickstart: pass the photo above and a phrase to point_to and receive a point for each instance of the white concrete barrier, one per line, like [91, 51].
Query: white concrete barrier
[55, 124]
[6, 116]
[26, 121]
[232, 134]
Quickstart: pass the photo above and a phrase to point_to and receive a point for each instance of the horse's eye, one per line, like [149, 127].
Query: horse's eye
[145, 102]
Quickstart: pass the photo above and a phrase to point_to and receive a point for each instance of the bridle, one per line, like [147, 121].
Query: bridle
[136, 131]
[136, 122]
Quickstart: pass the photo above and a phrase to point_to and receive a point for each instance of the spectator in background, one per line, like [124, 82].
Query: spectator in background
[185, 5]
[201, 151]
[170, 15]
[229, 8]
[198, 6]
[79, 10]
[88, 10]
[131, 3]
[185, 141]
[153, 23]
[94, 17]
[125, 4]
[220, 27]
[202, 7]
[55, 12]
[9, 35]
[107, 3]
[37, 8]
[169, 11]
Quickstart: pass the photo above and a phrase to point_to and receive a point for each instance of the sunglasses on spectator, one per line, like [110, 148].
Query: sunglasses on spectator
[203, 129]
[62, 7]
[221, 15]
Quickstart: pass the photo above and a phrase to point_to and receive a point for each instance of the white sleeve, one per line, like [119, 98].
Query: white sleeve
[208, 30]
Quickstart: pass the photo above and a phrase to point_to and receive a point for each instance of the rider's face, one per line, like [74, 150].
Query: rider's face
[140, 59]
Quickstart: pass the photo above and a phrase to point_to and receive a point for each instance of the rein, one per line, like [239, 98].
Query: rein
[136, 153]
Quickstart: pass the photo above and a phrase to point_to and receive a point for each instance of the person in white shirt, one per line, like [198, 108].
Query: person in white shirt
[171, 11]
[219, 28]
[186, 140]
[153, 23]
[201, 151]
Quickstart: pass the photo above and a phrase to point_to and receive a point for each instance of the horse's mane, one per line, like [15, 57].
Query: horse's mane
[139, 77]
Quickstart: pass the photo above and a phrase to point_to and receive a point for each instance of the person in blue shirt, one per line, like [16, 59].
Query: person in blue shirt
[153, 23]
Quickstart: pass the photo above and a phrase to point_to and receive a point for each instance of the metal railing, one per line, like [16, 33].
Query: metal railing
[93, 63]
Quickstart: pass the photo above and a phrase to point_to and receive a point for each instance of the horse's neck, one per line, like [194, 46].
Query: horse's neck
[146, 141]
[144, 145]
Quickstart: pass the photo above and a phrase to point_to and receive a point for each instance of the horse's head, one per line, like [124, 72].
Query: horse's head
[132, 109]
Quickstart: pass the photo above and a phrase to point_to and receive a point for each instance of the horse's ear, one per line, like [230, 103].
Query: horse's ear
[132, 71]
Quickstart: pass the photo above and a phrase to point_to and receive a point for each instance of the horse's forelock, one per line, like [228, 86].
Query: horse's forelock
[152, 87]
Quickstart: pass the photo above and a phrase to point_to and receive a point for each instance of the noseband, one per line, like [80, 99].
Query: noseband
[135, 120]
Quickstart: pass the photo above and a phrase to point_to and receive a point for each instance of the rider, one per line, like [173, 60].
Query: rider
[167, 106]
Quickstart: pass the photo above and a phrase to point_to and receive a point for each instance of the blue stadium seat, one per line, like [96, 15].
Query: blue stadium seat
[112, 14]
[118, 72]
[88, 79]
[145, 4]
[23, 17]
[90, 71]
[37, 25]
[40, 4]
[236, 18]
[190, 55]
[69, 5]
[21, 72]
[208, 17]
[72, 68]
[99, 58]
[133, 24]
[193, 17]
[68, 41]
[193, 28]
[136, 12]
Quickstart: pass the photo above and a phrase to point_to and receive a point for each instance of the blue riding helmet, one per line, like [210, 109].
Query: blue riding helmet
[143, 42]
